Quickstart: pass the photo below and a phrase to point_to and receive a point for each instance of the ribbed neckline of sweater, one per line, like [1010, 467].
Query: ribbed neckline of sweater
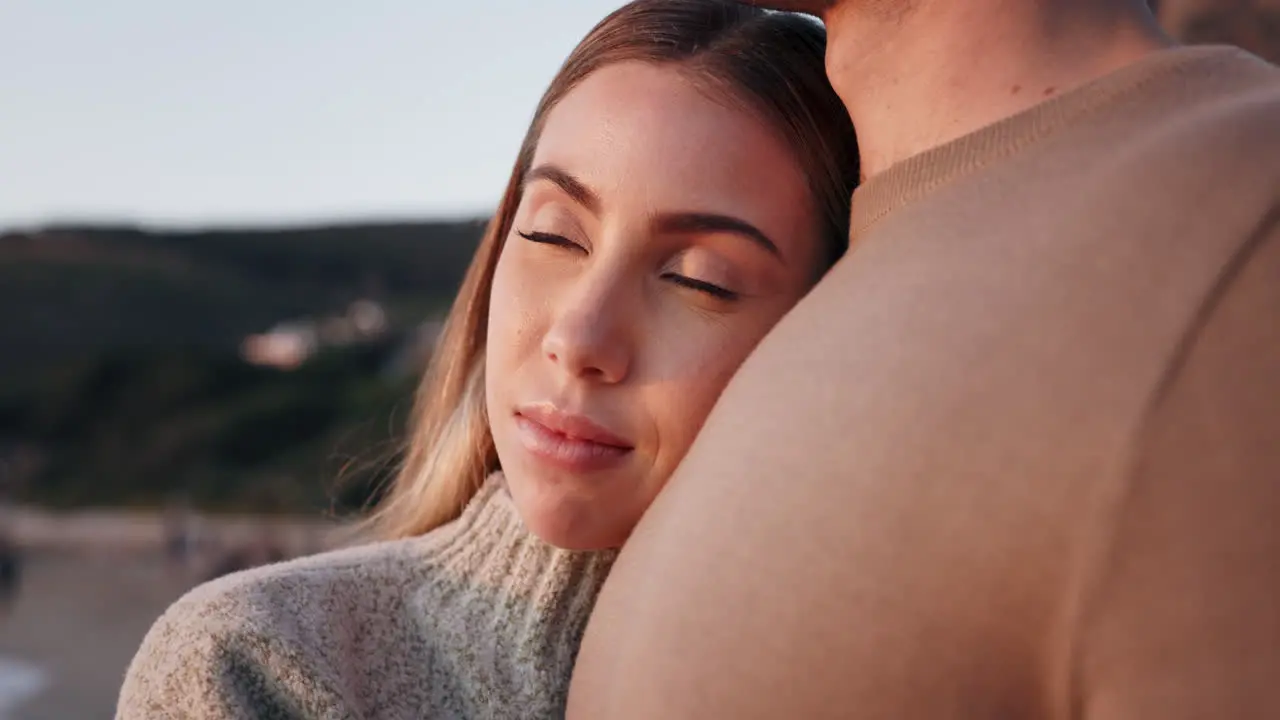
[489, 544]
[916, 176]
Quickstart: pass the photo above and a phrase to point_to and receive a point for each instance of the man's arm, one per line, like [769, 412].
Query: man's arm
[1184, 621]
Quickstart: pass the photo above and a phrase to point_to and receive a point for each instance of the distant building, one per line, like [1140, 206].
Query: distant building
[289, 344]
[285, 346]
[367, 318]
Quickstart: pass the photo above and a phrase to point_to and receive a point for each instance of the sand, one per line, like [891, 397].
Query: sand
[91, 586]
[79, 617]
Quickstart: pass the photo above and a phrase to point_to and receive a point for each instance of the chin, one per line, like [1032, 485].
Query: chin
[566, 519]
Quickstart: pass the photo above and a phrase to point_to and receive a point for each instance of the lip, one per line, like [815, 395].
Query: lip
[568, 440]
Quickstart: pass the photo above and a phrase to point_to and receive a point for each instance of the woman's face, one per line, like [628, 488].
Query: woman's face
[660, 235]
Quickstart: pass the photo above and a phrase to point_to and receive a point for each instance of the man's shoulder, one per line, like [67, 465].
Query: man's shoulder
[1211, 73]
[1228, 104]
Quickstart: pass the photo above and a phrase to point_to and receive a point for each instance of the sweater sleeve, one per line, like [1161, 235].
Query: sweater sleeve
[1184, 620]
[217, 654]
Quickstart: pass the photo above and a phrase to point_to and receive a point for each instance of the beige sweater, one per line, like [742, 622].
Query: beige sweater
[1016, 456]
[478, 619]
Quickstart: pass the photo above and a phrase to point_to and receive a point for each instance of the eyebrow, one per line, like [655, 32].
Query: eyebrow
[710, 222]
[572, 186]
[680, 222]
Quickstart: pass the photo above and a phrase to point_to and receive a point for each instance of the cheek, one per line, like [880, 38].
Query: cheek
[513, 321]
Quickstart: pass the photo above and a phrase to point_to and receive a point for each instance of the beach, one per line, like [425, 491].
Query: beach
[19, 682]
[77, 621]
[91, 586]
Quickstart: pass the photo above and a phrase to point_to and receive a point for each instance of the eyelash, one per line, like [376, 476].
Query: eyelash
[713, 290]
[683, 281]
[549, 239]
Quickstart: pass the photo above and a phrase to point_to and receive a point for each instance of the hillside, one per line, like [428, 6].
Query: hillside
[69, 290]
[122, 383]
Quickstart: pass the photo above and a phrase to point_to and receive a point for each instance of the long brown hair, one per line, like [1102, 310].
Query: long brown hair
[773, 63]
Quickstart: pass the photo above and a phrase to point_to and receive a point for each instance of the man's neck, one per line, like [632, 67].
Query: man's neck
[917, 74]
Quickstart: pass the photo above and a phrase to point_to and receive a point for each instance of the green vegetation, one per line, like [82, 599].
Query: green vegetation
[121, 382]
[143, 428]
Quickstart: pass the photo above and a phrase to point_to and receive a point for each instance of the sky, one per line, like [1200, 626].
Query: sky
[269, 112]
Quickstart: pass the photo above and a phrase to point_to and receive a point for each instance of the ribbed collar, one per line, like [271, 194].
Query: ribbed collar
[504, 610]
[916, 176]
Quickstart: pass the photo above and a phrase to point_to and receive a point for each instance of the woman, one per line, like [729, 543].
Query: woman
[685, 181]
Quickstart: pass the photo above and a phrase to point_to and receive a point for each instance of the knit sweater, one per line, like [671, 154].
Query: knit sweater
[477, 619]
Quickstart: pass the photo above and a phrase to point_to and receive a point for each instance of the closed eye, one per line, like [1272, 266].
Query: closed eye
[543, 238]
[701, 286]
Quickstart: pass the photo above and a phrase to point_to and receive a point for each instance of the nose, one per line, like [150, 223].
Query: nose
[590, 335]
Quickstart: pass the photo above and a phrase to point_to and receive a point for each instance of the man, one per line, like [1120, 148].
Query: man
[1018, 455]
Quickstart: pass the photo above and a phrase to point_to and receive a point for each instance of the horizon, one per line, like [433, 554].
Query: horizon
[232, 225]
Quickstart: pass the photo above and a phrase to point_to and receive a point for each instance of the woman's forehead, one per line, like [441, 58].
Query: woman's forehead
[646, 131]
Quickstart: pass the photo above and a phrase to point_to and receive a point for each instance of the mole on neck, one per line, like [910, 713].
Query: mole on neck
[916, 74]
